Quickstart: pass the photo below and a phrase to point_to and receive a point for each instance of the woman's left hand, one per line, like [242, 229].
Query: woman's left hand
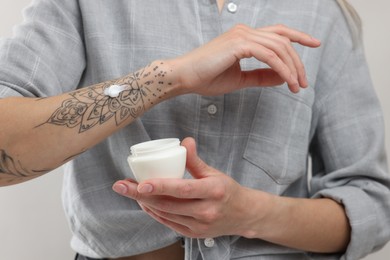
[210, 205]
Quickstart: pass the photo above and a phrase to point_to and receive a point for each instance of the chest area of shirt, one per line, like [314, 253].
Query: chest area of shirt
[143, 31]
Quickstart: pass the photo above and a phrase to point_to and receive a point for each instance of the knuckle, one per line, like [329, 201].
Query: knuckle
[210, 215]
[186, 189]
[218, 192]
[160, 187]
[285, 41]
[239, 32]
[280, 26]
[300, 66]
[245, 51]
[281, 46]
[269, 55]
[240, 27]
[300, 69]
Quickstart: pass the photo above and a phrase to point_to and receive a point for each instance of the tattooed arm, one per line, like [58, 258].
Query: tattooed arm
[45, 133]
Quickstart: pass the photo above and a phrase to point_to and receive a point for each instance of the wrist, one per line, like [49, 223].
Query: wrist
[167, 77]
[152, 84]
[259, 212]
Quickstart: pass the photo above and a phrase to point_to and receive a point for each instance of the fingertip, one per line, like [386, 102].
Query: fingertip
[309, 41]
[188, 141]
[294, 88]
[190, 145]
[120, 188]
[303, 82]
[315, 41]
[294, 84]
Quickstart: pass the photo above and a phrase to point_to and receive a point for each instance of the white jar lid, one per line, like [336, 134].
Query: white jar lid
[154, 146]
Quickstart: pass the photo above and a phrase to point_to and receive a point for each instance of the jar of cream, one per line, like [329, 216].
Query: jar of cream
[162, 158]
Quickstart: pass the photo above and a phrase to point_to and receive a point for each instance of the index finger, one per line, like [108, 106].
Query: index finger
[292, 34]
[179, 188]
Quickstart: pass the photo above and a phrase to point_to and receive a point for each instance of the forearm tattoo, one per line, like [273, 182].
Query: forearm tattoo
[89, 107]
[13, 168]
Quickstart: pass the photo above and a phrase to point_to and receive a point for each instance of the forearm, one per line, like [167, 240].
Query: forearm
[38, 135]
[314, 225]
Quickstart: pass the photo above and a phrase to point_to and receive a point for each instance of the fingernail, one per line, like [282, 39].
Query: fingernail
[295, 85]
[120, 188]
[145, 188]
[315, 39]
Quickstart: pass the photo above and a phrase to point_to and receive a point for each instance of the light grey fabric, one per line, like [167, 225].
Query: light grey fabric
[260, 137]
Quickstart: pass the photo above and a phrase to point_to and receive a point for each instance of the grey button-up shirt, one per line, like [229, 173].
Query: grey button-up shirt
[262, 137]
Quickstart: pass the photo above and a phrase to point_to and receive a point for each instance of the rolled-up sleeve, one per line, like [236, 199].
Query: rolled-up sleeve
[46, 54]
[348, 151]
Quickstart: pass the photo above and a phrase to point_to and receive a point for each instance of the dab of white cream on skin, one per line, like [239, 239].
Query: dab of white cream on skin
[113, 91]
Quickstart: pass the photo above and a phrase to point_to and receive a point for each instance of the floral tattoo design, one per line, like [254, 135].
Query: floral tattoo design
[89, 107]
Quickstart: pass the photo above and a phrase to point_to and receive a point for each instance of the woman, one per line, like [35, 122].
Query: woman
[250, 197]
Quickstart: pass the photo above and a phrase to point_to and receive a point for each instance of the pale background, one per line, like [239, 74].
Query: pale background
[32, 222]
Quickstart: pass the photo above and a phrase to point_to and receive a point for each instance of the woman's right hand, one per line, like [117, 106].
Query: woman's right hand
[214, 68]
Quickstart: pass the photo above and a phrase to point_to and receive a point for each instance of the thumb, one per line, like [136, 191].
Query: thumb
[196, 166]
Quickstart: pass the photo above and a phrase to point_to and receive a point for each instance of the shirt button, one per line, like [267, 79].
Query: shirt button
[212, 109]
[232, 7]
[209, 242]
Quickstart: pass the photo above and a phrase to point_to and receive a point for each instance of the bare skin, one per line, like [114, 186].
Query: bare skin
[78, 120]
[220, 4]
[74, 121]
